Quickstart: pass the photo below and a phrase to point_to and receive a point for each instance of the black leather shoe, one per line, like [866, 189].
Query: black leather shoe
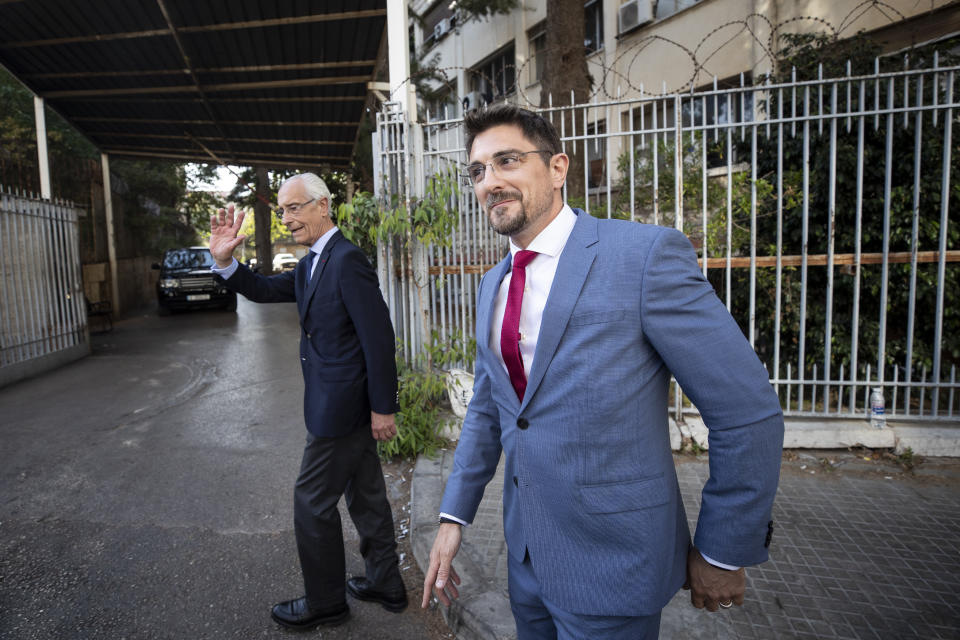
[297, 614]
[361, 589]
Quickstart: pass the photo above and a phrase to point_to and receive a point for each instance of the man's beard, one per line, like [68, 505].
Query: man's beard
[506, 226]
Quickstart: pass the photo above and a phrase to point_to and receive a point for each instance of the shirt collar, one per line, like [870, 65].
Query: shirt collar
[553, 238]
[321, 242]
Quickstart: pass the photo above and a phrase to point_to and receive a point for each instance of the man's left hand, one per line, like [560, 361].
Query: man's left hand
[710, 586]
[382, 425]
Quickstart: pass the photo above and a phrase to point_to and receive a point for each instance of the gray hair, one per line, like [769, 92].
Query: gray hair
[314, 186]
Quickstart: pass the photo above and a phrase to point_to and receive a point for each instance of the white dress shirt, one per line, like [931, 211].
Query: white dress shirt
[548, 244]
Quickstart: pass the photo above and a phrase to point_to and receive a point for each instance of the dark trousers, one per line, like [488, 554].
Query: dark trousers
[332, 467]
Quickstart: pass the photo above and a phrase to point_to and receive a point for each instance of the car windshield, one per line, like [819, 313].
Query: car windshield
[187, 259]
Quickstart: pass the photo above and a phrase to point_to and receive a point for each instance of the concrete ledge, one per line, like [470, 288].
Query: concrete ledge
[926, 439]
[835, 434]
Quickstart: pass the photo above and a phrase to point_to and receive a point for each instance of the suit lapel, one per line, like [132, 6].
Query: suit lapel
[485, 307]
[311, 282]
[574, 265]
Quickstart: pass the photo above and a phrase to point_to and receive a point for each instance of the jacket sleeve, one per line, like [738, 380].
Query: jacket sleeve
[719, 371]
[260, 288]
[478, 450]
[363, 300]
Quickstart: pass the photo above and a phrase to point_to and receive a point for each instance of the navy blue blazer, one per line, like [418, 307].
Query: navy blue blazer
[590, 490]
[347, 347]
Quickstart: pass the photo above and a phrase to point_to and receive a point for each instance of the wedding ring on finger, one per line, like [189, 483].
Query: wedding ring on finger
[726, 605]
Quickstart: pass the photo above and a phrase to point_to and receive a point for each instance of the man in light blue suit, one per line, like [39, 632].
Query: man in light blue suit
[578, 331]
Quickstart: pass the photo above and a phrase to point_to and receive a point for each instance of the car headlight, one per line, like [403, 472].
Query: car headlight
[169, 283]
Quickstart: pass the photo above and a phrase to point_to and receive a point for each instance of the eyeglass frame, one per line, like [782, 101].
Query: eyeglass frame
[500, 155]
[292, 209]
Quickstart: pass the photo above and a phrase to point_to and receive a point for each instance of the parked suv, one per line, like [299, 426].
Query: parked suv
[187, 283]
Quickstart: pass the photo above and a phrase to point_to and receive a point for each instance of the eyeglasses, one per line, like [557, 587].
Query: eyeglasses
[292, 209]
[502, 164]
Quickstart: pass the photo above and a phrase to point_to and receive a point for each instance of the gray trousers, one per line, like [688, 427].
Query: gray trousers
[347, 466]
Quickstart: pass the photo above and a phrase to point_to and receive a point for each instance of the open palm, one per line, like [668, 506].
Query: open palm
[225, 235]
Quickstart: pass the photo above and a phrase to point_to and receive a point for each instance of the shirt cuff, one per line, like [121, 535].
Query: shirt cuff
[728, 567]
[226, 272]
[454, 518]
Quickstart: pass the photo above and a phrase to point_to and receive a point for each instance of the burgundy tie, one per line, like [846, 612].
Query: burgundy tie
[510, 332]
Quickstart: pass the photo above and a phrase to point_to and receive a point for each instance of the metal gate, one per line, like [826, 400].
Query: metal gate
[42, 312]
[820, 210]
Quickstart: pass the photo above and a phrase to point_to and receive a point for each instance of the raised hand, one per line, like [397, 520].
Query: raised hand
[225, 235]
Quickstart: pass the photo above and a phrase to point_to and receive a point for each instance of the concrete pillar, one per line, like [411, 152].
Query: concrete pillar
[43, 159]
[111, 235]
[401, 89]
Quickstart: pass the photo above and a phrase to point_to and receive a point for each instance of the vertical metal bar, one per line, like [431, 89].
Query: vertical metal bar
[936, 86]
[586, 158]
[752, 323]
[849, 96]
[896, 391]
[789, 386]
[923, 389]
[793, 103]
[876, 93]
[656, 168]
[942, 256]
[819, 99]
[716, 111]
[729, 267]
[663, 105]
[831, 239]
[705, 213]
[778, 304]
[813, 389]
[677, 164]
[743, 109]
[30, 245]
[643, 126]
[633, 168]
[914, 238]
[953, 382]
[906, 91]
[885, 270]
[801, 357]
[840, 379]
[857, 242]
[866, 393]
[608, 158]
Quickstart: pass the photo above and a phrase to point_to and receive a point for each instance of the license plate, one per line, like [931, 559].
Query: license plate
[198, 296]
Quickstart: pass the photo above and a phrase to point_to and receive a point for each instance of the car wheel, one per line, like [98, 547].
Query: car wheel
[231, 306]
[163, 310]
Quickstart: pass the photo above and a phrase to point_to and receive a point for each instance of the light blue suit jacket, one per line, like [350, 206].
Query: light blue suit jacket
[590, 489]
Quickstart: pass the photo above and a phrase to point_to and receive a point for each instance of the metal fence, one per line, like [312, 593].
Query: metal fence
[42, 311]
[820, 210]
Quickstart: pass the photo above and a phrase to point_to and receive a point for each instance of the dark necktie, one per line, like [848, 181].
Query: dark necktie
[510, 332]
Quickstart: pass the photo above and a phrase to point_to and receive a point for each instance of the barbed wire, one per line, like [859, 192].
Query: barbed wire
[609, 81]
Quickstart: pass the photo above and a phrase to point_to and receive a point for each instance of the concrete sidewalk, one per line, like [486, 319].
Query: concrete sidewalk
[862, 549]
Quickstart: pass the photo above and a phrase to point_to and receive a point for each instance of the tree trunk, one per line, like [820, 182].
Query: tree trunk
[566, 71]
[261, 218]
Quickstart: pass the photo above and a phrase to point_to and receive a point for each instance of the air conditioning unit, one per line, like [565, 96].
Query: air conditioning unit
[472, 101]
[635, 13]
[441, 29]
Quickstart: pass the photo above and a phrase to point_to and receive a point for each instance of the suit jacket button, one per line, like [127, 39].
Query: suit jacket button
[522, 423]
[308, 336]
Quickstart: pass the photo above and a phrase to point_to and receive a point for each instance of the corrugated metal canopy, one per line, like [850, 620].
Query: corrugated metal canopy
[272, 82]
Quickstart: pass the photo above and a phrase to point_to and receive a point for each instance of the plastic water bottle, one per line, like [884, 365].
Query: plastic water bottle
[878, 418]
